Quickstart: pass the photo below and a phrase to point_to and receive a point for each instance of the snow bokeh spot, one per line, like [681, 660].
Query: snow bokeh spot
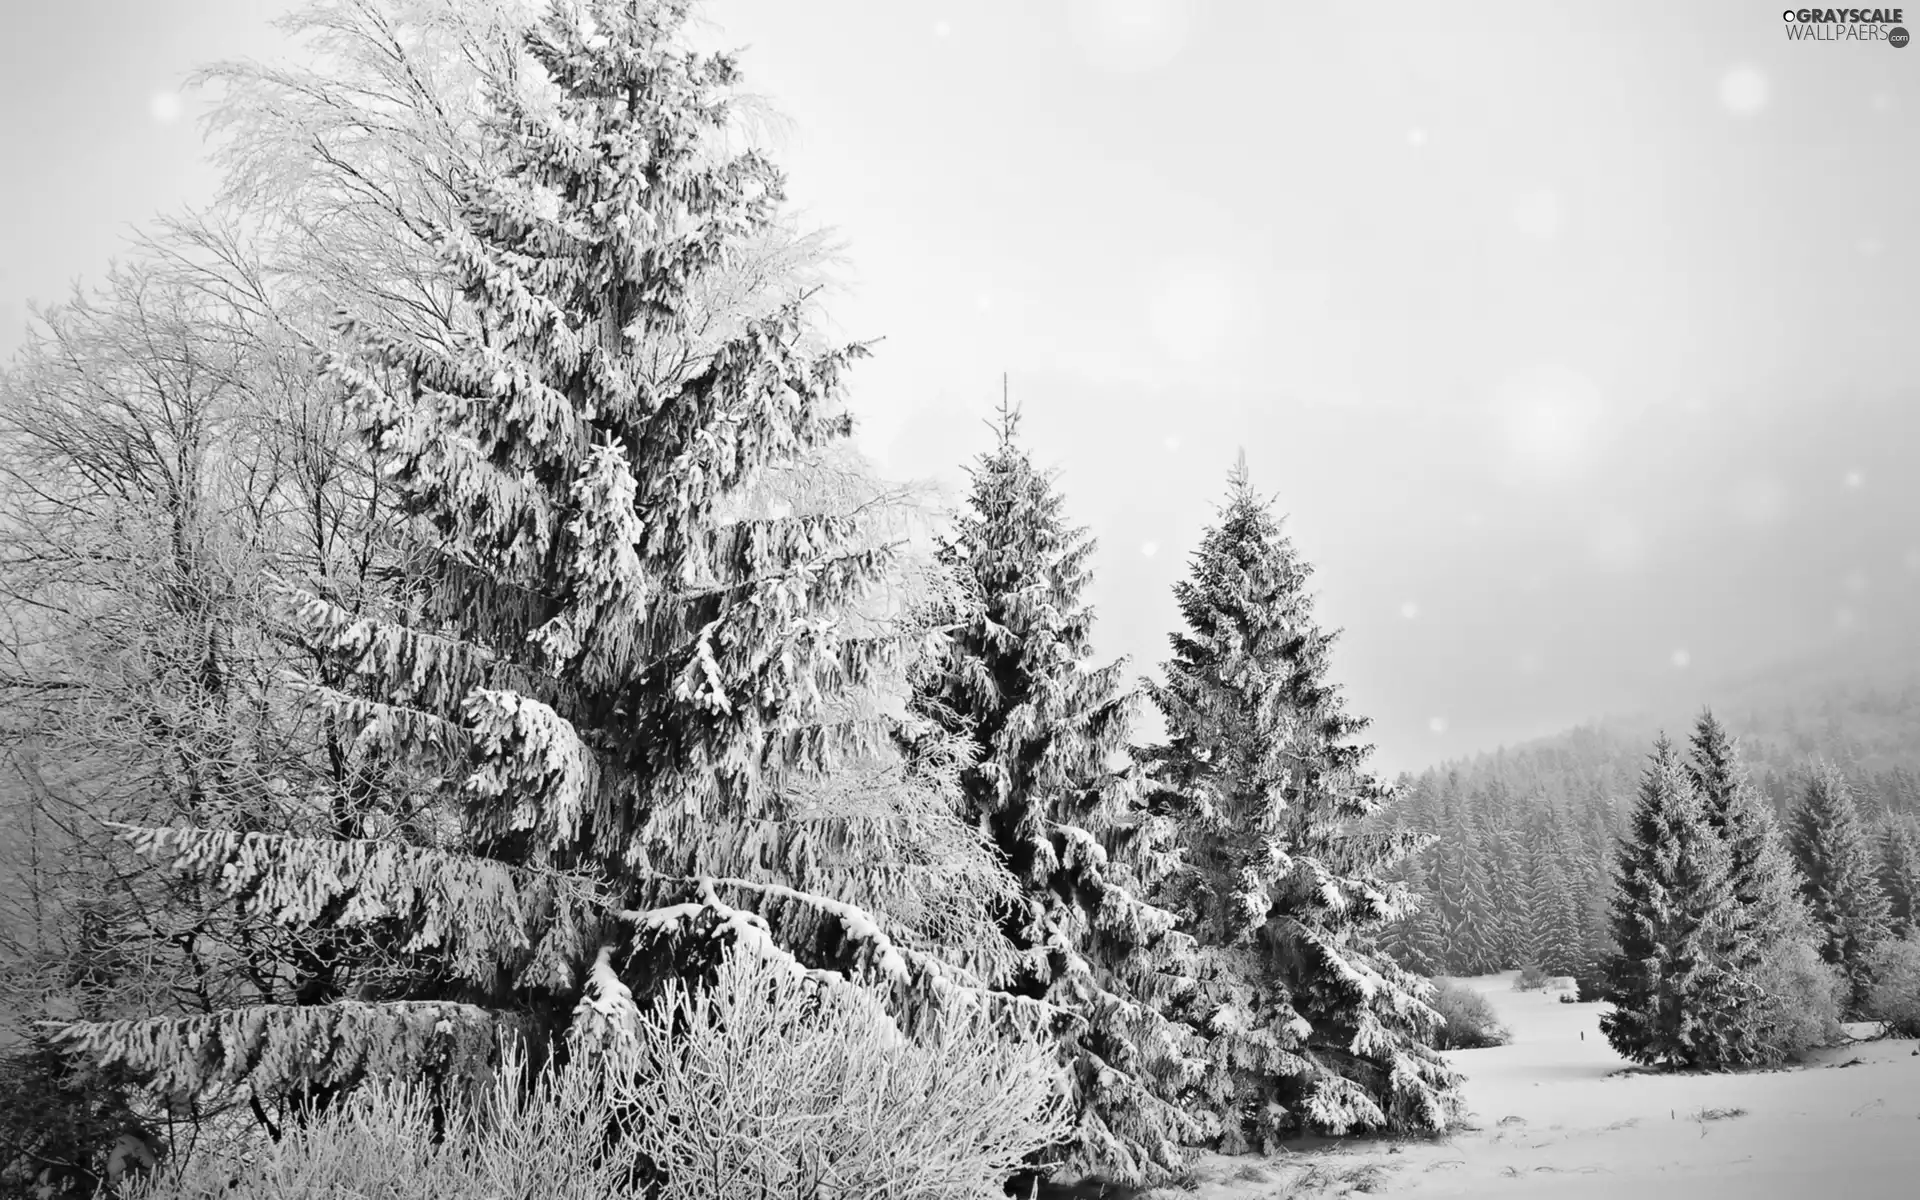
[1843, 618]
[1549, 416]
[1416, 137]
[1195, 312]
[1680, 658]
[1131, 36]
[1409, 610]
[1855, 480]
[1529, 663]
[1172, 444]
[1743, 91]
[165, 107]
[942, 29]
[1150, 548]
[1759, 501]
[1855, 582]
[1437, 724]
[1537, 214]
[1616, 544]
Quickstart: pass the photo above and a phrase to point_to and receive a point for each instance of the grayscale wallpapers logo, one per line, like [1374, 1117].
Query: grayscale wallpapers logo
[1846, 25]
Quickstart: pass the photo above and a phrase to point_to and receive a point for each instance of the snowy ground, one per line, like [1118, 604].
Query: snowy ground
[1553, 1117]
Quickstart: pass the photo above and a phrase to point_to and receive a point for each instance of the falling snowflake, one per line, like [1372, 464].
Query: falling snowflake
[1131, 35]
[165, 107]
[1537, 213]
[1743, 91]
[1173, 443]
[1680, 659]
[1529, 663]
[1150, 548]
[1437, 724]
[1855, 479]
[1843, 618]
[1856, 582]
[1551, 414]
[1194, 312]
[1416, 136]
[1616, 544]
[942, 29]
[1759, 501]
[1409, 610]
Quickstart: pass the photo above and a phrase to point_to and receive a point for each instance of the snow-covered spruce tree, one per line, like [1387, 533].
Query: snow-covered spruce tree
[1553, 907]
[1839, 876]
[645, 694]
[1760, 869]
[1676, 999]
[1311, 1025]
[1774, 932]
[1465, 907]
[1054, 786]
[1416, 939]
[1900, 872]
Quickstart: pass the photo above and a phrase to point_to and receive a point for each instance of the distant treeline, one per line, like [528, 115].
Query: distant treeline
[1518, 871]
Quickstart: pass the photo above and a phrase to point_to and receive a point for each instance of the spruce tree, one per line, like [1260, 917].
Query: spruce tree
[1417, 940]
[1839, 876]
[1467, 908]
[1676, 1001]
[1552, 909]
[1052, 781]
[1312, 1027]
[1900, 872]
[637, 699]
[1769, 911]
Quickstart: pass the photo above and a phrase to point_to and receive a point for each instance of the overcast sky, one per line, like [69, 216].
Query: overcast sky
[1576, 339]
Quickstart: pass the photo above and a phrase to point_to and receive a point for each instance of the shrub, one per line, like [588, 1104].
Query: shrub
[1532, 978]
[752, 1088]
[1800, 1002]
[546, 1140]
[1466, 1019]
[1894, 994]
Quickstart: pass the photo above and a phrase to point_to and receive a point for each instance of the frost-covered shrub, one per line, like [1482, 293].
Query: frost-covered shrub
[750, 1088]
[1532, 978]
[1894, 995]
[754, 1088]
[1800, 1002]
[1466, 1019]
[547, 1140]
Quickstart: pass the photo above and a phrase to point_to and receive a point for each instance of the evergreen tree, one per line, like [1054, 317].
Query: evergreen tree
[1553, 910]
[1467, 907]
[637, 699]
[1054, 785]
[1417, 940]
[1769, 911]
[1839, 876]
[1675, 1001]
[1311, 1026]
[1900, 872]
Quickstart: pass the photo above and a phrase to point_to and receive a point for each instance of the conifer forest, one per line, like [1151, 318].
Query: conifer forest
[476, 719]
